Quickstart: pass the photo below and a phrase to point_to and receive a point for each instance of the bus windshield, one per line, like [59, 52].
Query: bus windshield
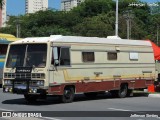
[27, 55]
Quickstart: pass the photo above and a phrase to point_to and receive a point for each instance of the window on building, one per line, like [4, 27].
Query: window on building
[88, 56]
[112, 55]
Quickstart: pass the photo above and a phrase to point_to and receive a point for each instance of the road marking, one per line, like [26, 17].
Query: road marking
[50, 118]
[6, 109]
[118, 109]
[126, 110]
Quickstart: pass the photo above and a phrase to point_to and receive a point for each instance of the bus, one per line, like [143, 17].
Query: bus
[67, 65]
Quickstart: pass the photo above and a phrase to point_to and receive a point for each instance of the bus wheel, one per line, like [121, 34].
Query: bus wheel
[30, 98]
[91, 94]
[123, 91]
[68, 95]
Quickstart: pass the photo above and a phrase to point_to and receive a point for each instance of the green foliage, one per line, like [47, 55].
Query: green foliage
[1, 3]
[91, 18]
[91, 8]
[100, 26]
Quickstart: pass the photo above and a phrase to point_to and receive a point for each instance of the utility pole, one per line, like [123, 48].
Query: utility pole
[128, 18]
[128, 26]
[18, 28]
[116, 24]
[157, 34]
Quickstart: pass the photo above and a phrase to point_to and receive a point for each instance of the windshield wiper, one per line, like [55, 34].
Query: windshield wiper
[25, 57]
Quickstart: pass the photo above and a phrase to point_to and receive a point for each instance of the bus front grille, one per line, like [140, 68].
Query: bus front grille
[24, 75]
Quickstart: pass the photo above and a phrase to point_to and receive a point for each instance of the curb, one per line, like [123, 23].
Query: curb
[154, 95]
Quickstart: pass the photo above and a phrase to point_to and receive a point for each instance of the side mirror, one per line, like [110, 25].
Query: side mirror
[56, 62]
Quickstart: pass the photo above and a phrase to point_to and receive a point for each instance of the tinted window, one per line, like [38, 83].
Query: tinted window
[88, 56]
[112, 56]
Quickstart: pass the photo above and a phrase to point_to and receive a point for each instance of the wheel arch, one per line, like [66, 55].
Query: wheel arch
[70, 86]
[124, 83]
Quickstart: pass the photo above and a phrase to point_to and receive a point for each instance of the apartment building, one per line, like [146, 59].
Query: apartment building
[67, 5]
[3, 15]
[33, 6]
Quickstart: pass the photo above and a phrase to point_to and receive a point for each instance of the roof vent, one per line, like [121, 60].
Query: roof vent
[113, 37]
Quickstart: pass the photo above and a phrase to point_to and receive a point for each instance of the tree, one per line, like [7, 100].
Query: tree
[91, 8]
[1, 3]
[97, 26]
[91, 18]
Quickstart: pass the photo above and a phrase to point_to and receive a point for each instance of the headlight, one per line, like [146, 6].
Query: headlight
[34, 90]
[7, 82]
[6, 89]
[41, 83]
[38, 82]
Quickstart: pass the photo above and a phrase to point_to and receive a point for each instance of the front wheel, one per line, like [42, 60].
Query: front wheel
[68, 95]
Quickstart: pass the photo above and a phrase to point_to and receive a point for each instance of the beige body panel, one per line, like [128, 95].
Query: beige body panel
[123, 67]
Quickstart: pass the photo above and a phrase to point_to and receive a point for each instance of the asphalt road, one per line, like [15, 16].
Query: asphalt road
[138, 104]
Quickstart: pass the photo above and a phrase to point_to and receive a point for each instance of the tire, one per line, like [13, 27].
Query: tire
[91, 95]
[122, 93]
[30, 98]
[68, 95]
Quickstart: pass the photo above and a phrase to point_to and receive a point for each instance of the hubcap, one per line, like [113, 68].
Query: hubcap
[67, 93]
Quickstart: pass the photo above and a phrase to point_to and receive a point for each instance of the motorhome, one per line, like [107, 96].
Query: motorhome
[66, 65]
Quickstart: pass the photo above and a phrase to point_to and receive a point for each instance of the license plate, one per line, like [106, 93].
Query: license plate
[20, 87]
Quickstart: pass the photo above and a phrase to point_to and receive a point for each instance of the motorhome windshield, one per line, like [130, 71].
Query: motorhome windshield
[27, 55]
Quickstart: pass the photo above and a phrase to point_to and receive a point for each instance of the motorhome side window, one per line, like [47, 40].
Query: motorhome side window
[112, 55]
[88, 56]
[61, 56]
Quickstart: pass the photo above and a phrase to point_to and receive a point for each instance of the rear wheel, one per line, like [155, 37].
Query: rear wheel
[68, 95]
[123, 91]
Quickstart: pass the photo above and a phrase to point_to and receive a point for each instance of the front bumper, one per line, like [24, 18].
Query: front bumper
[23, 87]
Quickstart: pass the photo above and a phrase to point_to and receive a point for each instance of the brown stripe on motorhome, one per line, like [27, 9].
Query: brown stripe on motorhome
[83, 87]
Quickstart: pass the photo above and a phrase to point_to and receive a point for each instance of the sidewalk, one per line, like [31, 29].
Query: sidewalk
[146, 93]
[154, 95]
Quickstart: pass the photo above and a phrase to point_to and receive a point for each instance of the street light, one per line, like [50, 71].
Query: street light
[116, 24]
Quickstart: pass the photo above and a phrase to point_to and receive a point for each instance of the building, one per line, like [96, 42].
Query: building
[67, 5]
[3, 15]
[33, 6]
